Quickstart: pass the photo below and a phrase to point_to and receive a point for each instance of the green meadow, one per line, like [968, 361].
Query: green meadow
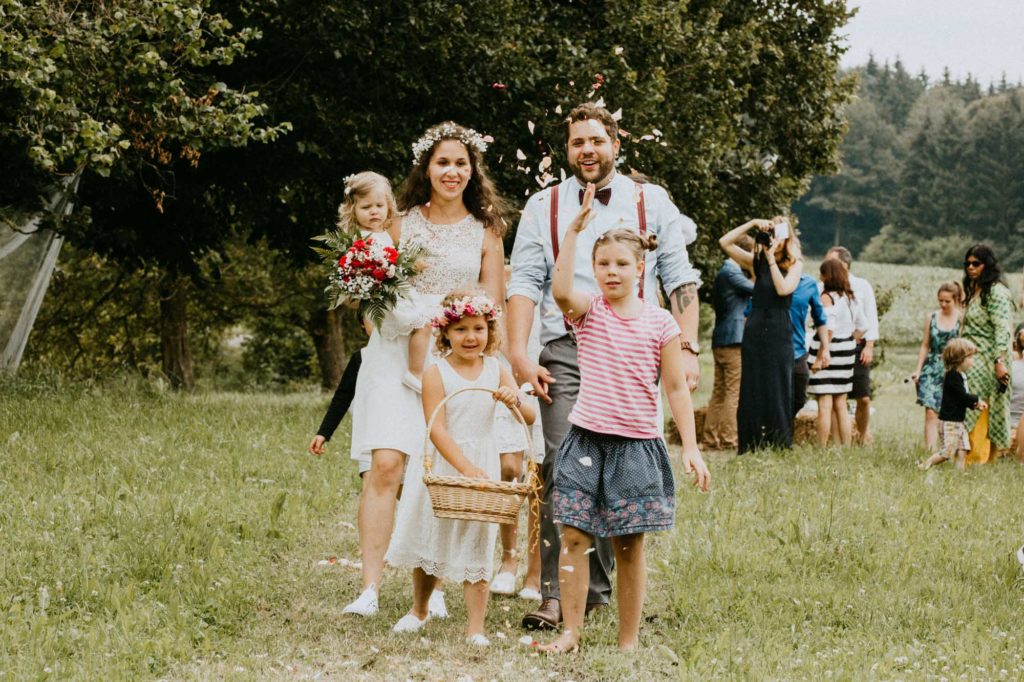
[148, 534]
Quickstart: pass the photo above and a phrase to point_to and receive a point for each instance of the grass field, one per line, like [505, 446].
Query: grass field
[153, 535]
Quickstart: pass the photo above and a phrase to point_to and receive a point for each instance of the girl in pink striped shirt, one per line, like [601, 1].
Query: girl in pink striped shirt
[612, 476]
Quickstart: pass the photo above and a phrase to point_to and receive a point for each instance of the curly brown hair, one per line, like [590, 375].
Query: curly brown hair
[444, 346]
[480, 196]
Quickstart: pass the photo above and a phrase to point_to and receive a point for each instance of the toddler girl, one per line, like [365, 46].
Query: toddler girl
[612, 476]
[958, 356]
[368, 207]
[462, 433]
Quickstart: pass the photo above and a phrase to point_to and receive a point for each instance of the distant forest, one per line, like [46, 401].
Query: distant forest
[927, 167]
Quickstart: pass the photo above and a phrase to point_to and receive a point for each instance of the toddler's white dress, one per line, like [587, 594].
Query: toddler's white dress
[453, 549]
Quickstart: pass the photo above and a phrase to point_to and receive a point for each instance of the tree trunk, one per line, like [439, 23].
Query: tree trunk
[835, 239]
[325, 326]
[174, 351]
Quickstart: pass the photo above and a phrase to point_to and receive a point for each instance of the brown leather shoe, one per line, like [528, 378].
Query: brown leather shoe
[547, 617]
[596, 606]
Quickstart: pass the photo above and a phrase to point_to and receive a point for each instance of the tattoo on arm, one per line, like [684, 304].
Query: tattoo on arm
[684, 296]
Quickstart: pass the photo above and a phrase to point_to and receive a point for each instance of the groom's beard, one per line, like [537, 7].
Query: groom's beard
[605, 168]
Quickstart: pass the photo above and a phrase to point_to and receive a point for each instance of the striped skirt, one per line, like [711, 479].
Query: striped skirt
[837, 378]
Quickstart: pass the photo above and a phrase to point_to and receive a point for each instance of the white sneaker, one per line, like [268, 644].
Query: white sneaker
[436, 607]
[410, 623]
[365, 605]
[412, 381]
[504, 583]
[530, 594]
[478, 640]
[1020, 556]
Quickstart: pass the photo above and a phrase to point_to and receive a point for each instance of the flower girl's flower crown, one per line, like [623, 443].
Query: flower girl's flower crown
[448, 131]
[467, 306]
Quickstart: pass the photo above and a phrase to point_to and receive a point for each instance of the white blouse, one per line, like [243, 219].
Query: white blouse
[844, 318]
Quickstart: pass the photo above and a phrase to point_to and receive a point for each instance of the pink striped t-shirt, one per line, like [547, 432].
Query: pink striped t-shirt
[619, 362]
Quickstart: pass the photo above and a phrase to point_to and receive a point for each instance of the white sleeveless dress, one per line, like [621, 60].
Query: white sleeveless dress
[385, 413]
[453, 549]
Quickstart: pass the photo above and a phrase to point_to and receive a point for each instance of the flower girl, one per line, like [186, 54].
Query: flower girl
[451, 549]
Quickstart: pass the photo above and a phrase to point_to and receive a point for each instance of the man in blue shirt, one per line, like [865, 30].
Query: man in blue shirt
[806, 297]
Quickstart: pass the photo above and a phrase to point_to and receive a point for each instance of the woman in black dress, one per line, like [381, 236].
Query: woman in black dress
[765, 414]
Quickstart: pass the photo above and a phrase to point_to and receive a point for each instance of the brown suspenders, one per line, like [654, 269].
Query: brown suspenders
[641, 219]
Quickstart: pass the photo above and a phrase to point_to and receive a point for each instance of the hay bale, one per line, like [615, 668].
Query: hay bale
[804, 430]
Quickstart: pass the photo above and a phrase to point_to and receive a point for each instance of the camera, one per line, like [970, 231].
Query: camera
[763, 238]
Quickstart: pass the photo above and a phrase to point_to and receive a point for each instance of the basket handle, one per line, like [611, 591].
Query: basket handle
[428, 458]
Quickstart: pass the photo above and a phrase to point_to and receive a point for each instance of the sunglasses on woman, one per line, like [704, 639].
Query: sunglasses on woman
[973, 263]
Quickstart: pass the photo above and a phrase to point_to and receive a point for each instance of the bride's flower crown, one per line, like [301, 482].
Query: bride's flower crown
[448, 131]
[467, 306]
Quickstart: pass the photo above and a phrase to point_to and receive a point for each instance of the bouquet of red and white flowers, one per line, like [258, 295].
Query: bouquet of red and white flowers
[368, 271]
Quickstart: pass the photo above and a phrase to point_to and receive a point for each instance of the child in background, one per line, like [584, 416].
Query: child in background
[939, 327]
[512, 445]
[463, 433]
[612, 473]
[958, 357]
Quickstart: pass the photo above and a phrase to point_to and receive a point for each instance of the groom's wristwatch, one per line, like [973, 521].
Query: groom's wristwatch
[691, 346]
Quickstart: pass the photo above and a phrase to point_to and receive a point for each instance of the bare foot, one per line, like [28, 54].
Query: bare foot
[566, 643]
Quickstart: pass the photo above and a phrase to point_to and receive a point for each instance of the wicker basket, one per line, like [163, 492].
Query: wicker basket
[460, 497]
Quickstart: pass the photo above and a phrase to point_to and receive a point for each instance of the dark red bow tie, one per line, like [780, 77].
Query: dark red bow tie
[602, 195]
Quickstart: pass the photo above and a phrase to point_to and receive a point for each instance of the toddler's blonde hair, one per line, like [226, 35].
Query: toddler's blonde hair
[358, 186]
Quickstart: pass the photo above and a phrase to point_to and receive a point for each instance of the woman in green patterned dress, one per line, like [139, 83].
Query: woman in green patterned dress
[987, 321]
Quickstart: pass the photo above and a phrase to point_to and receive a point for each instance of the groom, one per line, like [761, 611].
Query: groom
[592, 145]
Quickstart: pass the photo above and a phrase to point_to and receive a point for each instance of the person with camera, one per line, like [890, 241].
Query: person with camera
[765, 413]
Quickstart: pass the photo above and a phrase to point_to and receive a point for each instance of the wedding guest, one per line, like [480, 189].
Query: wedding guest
[730, 295]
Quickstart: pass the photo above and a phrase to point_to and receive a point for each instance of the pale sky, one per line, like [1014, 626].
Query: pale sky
[983, 37]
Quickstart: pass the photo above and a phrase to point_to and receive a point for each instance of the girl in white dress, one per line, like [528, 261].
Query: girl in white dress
[463, 434]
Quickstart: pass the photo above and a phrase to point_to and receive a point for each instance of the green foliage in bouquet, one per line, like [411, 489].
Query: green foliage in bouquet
[367, 271]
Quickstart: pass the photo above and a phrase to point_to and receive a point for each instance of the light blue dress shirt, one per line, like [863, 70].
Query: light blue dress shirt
[533, 260]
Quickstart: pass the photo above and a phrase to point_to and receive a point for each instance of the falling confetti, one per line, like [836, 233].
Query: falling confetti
[599, 102]
[499, 86]
[558, 109]
[527, 640]
[568, 569]
[520, 155]
[618, 114]
[586, 461]
[529, 124]
[544, 163]
[547, 544]
[657, 133]
[590, 550]
[618, 50]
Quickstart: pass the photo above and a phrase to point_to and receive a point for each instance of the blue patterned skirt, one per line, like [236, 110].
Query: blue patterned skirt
[607, 485]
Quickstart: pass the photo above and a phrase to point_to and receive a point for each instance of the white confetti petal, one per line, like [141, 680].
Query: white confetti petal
[558, 109]
[656, 132]
[568, 569]
[529, 124]
[527, 640]
[618, 114]
[586, 461]
[520, 155]
[618, 50]
[589, 550]
[599, 102]
[544, 163]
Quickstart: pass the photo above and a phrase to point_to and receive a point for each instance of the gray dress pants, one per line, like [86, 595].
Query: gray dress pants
[559, 358]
